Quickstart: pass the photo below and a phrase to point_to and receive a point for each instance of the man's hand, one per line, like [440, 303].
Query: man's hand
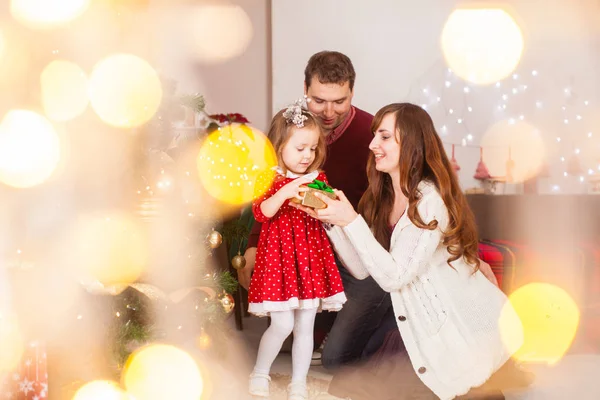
[245, 274]
[486, 270]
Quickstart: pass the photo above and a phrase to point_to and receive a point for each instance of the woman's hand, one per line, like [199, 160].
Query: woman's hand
[338, 212]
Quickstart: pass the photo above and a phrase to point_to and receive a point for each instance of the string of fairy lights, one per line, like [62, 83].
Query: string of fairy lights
[564, 115]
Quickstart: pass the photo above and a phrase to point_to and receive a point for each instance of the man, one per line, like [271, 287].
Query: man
[329, 84]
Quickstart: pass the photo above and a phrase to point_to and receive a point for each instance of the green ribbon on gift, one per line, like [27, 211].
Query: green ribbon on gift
[320, 185]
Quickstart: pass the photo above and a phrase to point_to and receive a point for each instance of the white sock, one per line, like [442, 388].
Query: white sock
[303, 344]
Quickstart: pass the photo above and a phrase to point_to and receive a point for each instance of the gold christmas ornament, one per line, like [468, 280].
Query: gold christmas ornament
[227, 302]
[214, 239]
[238, 261]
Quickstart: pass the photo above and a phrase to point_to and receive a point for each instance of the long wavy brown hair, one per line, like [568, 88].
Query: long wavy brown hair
[422, 158]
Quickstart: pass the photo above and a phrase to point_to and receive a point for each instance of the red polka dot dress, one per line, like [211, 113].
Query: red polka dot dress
[295, 266]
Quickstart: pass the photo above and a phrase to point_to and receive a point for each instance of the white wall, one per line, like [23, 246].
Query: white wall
[394, 45]
[241, 84]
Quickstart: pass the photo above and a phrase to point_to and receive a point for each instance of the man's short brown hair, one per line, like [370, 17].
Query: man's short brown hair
[330, 67]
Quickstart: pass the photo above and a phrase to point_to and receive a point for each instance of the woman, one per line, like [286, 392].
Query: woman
[416, 236]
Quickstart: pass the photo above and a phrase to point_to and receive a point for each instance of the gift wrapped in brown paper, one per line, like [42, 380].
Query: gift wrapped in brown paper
[310, 200]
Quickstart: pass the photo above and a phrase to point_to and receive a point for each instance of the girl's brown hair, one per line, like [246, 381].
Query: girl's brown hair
[280, 132]
[422, 157]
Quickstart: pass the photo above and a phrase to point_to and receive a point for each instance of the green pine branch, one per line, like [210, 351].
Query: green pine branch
[227, 282]
[235, 231]
[194, 101]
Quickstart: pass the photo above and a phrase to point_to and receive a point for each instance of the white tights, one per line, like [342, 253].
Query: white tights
[301, 322]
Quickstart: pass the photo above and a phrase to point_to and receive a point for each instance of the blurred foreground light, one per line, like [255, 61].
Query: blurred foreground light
[111, 248]
[29, 149]
[42, 14]
[219, 32]
[64, 90]
[101, 390]
[159, 372]
[525, 145]
[230, 161]
[125, 90]
[482, 46]
[1, 45]
[11, 343]
[550, 320]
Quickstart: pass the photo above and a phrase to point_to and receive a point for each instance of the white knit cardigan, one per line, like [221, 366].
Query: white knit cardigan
[449, 318]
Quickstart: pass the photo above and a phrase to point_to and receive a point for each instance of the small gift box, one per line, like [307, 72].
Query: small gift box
[310, 200]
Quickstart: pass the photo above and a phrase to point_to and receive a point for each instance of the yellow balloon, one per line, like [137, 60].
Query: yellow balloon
[159, 372]
[482, 46]
[30, 149]
[125, 90]
[550, 320]
[64, 90]
[47, 13]
[230, 161]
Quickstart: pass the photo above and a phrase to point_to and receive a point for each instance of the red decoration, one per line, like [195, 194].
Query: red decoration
[29, 380]
[481, 173]
[230, 118]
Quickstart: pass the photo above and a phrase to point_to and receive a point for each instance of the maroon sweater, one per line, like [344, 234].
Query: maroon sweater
[346, 163]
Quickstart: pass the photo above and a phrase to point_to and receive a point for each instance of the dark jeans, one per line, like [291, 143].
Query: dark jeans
[350, 338]
[389, 374]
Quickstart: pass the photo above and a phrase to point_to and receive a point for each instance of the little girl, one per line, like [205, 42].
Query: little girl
[295, 273]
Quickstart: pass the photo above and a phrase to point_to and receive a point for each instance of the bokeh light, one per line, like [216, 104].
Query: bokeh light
[41, 14]
[64, 90]
[16, 60]
[125, 90]
[100, 18]
[219, 32]
[590, 145]
[527, 149]
[230, 161]
[110, 248]
[1, 44]
[550, 320]
[101, 390]
[481, 46]
[30, 149]
[158, 372]
[11, 343]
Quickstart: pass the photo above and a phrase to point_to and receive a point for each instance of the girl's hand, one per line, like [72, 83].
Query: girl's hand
[338, 212]
[294, 188]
